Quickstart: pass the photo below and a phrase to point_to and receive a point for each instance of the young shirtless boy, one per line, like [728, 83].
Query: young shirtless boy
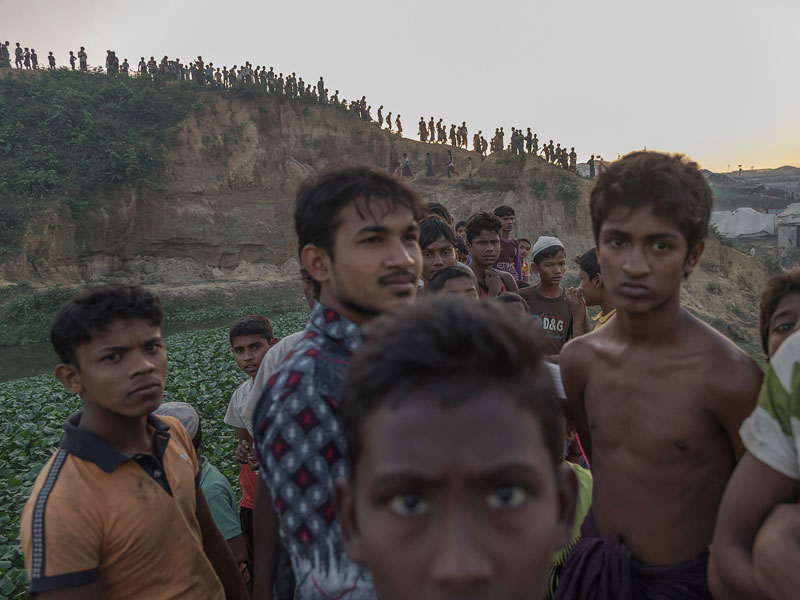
[483, 237]
[117, 511]
[658, 396]
[438, 505]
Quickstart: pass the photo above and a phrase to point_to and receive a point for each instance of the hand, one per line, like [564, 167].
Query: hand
[575, 301]
[494, 283]
[244, 451]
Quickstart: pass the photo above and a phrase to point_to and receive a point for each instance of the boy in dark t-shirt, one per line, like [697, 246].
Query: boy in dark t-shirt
[560, 313]
[509, 260]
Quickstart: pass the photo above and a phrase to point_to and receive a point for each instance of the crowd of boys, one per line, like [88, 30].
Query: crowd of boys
[443, 427]
[293, 87]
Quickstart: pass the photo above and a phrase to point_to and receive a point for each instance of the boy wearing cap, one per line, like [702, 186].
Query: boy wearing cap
[560, 313]
[117, 512]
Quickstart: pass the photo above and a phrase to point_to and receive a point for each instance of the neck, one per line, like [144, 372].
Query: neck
[505, 234]
[655, 325]
[549, 290]
[479, 270]
[126, 434]
[358, 317]
[607, 305]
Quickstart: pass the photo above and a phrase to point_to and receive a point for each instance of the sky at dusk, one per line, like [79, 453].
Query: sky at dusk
[714, 79]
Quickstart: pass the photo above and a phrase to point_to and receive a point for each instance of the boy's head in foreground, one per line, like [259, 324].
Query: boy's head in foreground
[453, 434]
[109, 342]
[251, 337]
[650, 216]
[780, 310]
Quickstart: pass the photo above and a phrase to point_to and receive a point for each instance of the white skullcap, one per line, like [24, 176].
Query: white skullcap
[543, 243]
[183, 412]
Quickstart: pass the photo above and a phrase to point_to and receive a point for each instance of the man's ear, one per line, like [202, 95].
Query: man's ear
[345, 506]
[693, 258]
[567, 491]
[274, 341]
[534, 268]
[316, 261]
[598, 281]
[70, 377]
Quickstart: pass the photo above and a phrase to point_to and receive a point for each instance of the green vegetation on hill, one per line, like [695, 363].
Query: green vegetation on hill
[66, 134]
[201, 372]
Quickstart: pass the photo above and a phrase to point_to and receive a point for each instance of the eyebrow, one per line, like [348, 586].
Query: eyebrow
[153, 340]
[410, 475]
[653, 236]
[382, 229]
[783, 313]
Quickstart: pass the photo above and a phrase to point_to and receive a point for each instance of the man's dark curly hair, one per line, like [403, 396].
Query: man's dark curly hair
[482, 221]
[451, 350]
[91, 312]
[671, 184]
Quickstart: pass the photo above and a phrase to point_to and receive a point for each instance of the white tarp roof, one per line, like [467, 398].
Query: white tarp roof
[743, 221]
[790, 215]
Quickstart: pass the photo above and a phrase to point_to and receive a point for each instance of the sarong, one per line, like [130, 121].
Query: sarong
[602, 568]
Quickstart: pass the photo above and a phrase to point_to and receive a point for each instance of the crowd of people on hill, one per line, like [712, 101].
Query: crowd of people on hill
[292, 86]
[450, 423]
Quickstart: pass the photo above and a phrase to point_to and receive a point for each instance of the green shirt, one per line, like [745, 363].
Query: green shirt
[772, 432]
[582, 504]
[220, 499]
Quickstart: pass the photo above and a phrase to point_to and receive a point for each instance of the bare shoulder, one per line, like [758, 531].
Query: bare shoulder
[731, 373]
[575, 356]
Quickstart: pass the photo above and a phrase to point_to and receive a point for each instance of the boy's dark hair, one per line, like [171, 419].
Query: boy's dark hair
[548, 252]
[672, 185]
[459, 225]
[588, 263]
[252, 325]
[778, 286]
[461, 245]
[440, 210]
[320, 201]
[92, 312]
[431, 228]
[520, 240]
[437, 282]
[504, 211]
[510, 297]
[452, 349]
[482, 221]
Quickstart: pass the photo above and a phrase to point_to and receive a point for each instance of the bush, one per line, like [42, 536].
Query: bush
[67, 134]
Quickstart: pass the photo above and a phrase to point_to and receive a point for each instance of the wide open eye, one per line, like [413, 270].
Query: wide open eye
[408, 504]
[507, 496]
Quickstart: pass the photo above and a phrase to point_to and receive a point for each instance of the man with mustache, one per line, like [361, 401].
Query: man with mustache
[358, 238]
[483, 237]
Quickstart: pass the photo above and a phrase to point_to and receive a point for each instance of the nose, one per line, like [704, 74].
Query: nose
[403, 256]
[460, 561]
[144, 363]
[635, 264]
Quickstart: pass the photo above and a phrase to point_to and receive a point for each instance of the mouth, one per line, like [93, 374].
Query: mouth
[146, 389]
[399, 283]
[249, 369]
[634, 290]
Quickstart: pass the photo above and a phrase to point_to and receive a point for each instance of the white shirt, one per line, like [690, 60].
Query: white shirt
[237, 416]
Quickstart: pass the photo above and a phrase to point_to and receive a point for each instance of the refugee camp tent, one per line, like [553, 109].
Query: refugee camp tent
[787, 223]
[743, 221]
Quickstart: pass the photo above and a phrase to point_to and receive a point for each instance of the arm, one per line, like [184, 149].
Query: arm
[266, 543]
[93, 591]
[511, 283]
[742, 512]
[573, 361]
[776, 553]
[218, 552]
[577, 306]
